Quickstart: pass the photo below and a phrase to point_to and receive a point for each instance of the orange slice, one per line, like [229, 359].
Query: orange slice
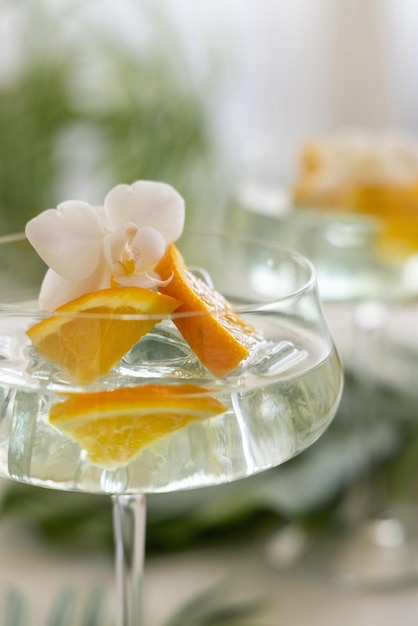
[113, 426]
[85, 338]
[219, 337]
[397, 207]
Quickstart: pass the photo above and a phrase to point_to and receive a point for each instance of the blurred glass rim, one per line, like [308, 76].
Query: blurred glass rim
[295, 258]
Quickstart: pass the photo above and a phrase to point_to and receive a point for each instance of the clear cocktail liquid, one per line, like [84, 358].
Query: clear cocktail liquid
[279, 400]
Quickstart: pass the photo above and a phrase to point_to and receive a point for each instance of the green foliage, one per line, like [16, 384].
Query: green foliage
[135, 113]
[33, 110]
[212, 608]
[155, 129]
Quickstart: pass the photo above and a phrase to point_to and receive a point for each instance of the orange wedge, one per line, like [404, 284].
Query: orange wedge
[113, 426]
[85, 338]
[217, 335]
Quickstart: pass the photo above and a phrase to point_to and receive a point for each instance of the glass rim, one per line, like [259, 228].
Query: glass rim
[310, 283]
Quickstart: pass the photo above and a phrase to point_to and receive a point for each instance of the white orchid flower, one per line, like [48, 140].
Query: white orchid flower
[89, 248]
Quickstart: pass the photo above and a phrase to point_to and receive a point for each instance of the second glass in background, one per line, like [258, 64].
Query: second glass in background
[369, 302]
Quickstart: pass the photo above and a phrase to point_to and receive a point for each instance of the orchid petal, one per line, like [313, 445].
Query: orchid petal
[147, 203]
[135, 280]
[115, 242]
[56, 290]
[145, 279]
[157, 280]
[149, 246]
[69, 239]
[102, 217]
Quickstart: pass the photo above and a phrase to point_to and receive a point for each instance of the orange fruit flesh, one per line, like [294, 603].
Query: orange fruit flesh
[88, 337]
[396, 205]
[216, 334]
[113, 426]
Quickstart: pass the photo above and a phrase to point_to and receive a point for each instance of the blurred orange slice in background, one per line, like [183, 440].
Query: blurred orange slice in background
[113, 426]
[88, 336]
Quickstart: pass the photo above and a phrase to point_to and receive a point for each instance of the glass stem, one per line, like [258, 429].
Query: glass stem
[129, 522]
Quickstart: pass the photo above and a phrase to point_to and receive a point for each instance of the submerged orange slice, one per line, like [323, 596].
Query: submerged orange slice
[85, 337]
[218, 336]
[113, 426]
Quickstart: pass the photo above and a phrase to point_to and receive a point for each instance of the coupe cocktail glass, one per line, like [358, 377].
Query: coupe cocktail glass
[277, 402]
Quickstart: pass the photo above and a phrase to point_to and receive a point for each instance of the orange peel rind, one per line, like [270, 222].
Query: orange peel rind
[216, 333]
[89, 335]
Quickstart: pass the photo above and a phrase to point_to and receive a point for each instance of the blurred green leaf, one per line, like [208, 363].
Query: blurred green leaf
[212, 608]
[92, 112]
[33, 110]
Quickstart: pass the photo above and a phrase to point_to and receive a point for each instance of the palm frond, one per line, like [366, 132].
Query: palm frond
[213, 608]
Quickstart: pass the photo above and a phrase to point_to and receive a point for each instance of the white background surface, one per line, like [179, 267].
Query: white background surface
[273, 71]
